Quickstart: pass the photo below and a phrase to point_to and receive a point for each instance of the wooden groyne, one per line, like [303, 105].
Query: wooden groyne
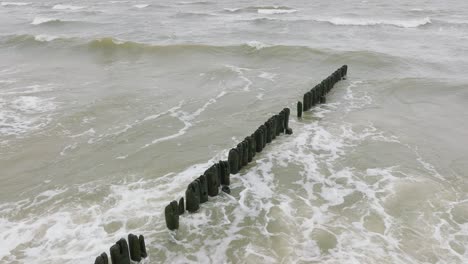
[217, 177]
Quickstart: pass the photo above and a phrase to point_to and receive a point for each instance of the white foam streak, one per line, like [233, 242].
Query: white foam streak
[22, 114]
[15, 4]
[257, 45]
[340, 21]
[42, 20]
[274, 11]
[45, 37]
[185, 118]
[67, 7]
[240, 71]
[140, 6]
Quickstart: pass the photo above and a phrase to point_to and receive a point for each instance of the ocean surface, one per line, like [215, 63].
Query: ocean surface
[109, 109]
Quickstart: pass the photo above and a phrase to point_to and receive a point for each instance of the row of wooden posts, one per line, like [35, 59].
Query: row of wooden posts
[122, 252]
[317, 94]
[218, 175]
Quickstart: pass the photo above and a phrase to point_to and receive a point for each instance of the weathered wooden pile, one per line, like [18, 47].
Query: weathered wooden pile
[121, 252]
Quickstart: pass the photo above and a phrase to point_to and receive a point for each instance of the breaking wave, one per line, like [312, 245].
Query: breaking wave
[262, 10]
[45, 20]
[339, 21]
[67, 7]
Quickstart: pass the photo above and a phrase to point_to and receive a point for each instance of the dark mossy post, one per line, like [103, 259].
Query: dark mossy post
[268, 132]
[322, 85]
[245, 156]
[287, 112]
[192, 197]
[181, 206]
[310, 99]
[299, 109]
[279, 122]
[212, 180]
[225, 178]
[314, 95]
[119, 252]
[102, 259]
[240, 150]
[264, 129]
[323, 99]
[141, 238]
[253, 144]
[322, 94]
[281, 117]
[220, 171]
[274, 127]
[345, 70]
[305, 101]
[171, 212]
[323, 89]
[233, 159]
[203, 187]
[250, 154]
[325, 86]
[134, 245]
[258, 140]
[252, 147]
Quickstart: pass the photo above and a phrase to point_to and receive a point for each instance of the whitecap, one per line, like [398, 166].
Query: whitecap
[67, 7]
[232, 9]
[14, 3]
[45, 37]
[257, 44]
[33, 104]
[140, 6]
[273, 11]
[268, 76]
[42, 20]
[339, 21]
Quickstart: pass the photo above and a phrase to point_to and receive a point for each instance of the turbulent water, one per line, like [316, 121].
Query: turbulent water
[109, 109]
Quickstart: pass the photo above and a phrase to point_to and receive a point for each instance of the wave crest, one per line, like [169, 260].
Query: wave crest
[14, 3]
[339, 21]
[44, 20]
[269, 10]
[67, 7]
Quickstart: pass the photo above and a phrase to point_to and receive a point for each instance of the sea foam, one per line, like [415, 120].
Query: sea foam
[45, 37]
[339, 21]
[43, 20]
[140, 6]
[14, 3]
[67, 7]
[273, 11]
